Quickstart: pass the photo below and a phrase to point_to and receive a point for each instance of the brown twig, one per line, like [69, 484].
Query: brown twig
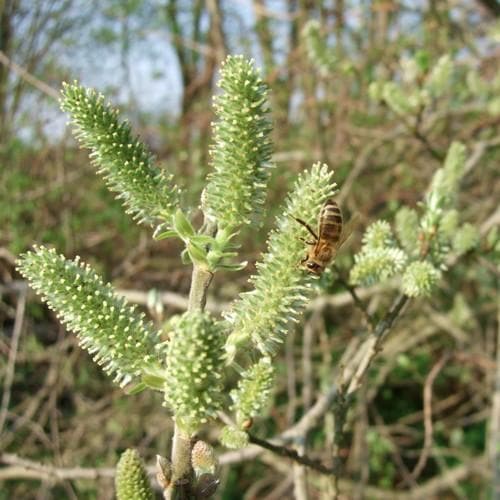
[11, 363]
[282, 451]
[28, 77]
[355, 297]
[353, 373]
[422, 460]
[494, 449]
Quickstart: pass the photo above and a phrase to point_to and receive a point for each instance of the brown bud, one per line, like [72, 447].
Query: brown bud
[206, 486]
[247, 424]
[163, 471]
[203, 457]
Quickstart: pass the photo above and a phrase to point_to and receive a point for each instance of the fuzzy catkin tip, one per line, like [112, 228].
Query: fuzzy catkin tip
[241, 150]
[126, 164]
[419, 279]
[407, 229]
[233, 438]
[379, 258]
[110, 329]
[131, 478]
[253, 391]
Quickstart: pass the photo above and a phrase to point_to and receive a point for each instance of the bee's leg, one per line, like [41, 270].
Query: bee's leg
[307, 242]
[307, 226]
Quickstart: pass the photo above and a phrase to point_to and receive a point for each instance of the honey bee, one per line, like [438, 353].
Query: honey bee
[332, 234]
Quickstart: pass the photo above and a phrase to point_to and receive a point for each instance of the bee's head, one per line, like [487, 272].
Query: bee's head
[314, 268]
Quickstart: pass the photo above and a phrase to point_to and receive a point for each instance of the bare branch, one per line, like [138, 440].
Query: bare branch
[28, 77]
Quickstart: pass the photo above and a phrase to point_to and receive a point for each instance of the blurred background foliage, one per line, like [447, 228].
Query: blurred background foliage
[346, 89]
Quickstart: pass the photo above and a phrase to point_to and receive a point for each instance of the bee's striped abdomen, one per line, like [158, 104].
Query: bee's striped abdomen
[330, 222]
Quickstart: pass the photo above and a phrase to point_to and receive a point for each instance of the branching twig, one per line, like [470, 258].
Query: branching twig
[11, 363]
[352, 374]
[293, 455]
[28, 77]
[355, 297]
[422, 460]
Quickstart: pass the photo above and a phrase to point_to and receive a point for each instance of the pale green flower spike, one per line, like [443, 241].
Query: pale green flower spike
[253, 391]
[378, 235]
[444, 185]
[376, 265]
[241, 150]
[398, 99]
[449, 223]
[407, 229]
[438, 220]
[233, 438]
[419, 279]
[438, 79]
[317, 50]
[193, 378]
[110, 329]
[281, 287]
[124, 161]
[379, 258]
[131, 479]
[465, 239]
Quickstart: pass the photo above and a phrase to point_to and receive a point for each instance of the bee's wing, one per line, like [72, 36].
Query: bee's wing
[348, 229]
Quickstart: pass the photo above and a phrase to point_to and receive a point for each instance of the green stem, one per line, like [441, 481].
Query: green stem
[200, 281]
[181, 486]
[182, 475]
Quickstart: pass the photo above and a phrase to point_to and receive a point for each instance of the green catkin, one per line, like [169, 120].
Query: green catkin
[147, 191]
[376, 265]
[407, 229]
[419, 279]
[241, 150]
[203, 458]
[282, 288]
[110, 329]
[378, 235]
[131, 480]
[253, 391]
[322, 56]
[466, 238]
[193, 378]
[233, 438]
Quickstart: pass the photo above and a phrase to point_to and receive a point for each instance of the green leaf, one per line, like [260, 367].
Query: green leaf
[203, 239]
[233, 267]
[197, 254]
[182, 225]
[164, 235]
[136, 389]
[185, 257]
[153, 381]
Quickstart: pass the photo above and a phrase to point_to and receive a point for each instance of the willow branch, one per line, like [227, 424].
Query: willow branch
[182, 477]
[293, 455]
